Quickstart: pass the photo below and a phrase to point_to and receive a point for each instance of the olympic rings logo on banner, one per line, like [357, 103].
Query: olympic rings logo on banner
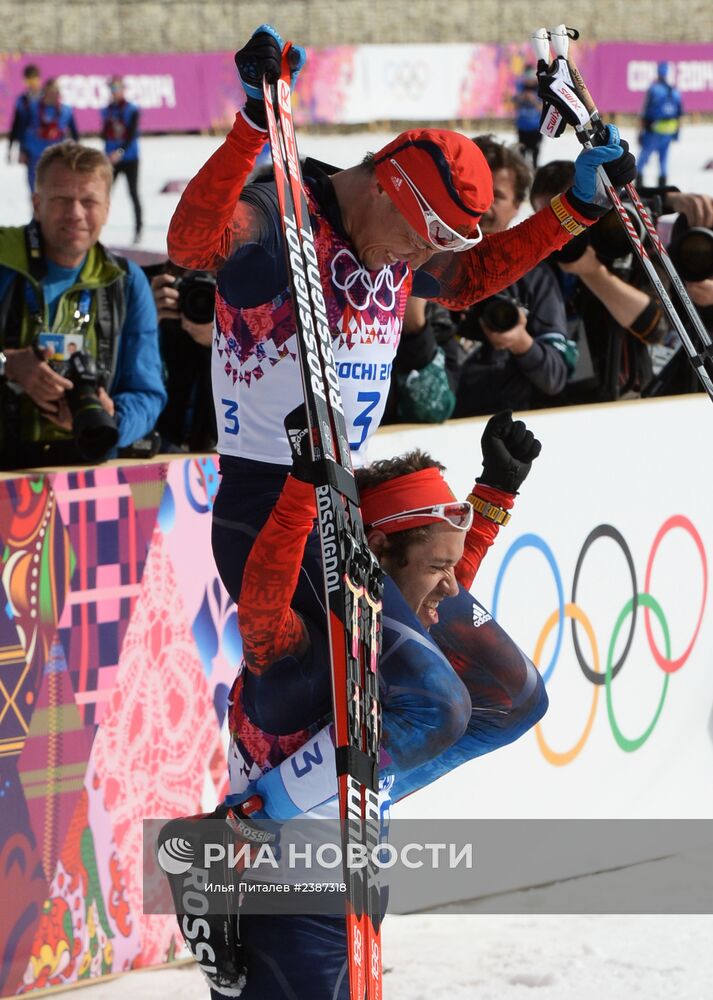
[571, 610]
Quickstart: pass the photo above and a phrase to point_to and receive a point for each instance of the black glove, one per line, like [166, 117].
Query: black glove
[509, 449]
[297, 431]
[262, 57]
[180, 847]
[587, 195]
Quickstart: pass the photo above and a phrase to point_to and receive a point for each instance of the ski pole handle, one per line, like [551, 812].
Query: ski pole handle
[559, 40]
[541, 45]
[582, 89]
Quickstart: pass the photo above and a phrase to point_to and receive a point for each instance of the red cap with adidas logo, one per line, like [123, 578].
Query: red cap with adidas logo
[440, 182]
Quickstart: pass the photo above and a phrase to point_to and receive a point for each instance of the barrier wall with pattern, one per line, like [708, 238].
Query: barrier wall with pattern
[118, 646]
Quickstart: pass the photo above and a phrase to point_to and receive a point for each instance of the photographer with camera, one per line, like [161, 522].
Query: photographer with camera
[621, 325]
[521, 356]
[80, 373]
[185, 302]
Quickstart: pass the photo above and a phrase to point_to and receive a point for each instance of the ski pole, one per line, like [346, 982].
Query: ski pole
[702, 360]
[661, 251]
[353, 582]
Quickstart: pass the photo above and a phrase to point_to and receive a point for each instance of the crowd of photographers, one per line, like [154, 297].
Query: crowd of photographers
[129, 375]
[584, 326]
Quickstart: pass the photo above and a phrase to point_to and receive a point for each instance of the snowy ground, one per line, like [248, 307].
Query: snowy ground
[508, 958]
[463, 957]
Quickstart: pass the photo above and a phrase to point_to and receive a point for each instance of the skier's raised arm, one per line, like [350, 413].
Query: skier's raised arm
[458, 280]
[210, 221]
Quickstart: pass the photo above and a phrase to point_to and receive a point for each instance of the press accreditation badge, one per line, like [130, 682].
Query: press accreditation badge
[60, 345]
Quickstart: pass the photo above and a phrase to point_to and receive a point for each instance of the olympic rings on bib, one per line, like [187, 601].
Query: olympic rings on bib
[594, 673]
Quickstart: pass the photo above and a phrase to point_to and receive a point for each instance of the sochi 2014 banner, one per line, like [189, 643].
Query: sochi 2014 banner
[353, 84]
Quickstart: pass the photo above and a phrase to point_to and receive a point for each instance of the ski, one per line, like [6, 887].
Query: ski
[566, 83]
[352, 577]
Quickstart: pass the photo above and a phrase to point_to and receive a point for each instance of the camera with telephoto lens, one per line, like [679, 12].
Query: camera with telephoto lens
[196, 296]
[692, 253]
[95, 432]
[500, 312]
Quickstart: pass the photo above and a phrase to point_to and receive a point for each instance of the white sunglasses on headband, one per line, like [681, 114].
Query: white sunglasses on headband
[440, 235]
[457, 513]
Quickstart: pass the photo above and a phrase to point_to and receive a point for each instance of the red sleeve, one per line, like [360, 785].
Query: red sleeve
[482, 534]
[499, 260]
[209, 219]
[270, 629]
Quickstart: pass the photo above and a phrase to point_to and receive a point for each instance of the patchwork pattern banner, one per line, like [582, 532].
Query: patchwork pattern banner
[118, 646]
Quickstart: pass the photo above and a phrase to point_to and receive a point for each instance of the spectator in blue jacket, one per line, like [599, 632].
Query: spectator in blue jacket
[62, 292]
[21, 113]
[120, 132]
[528, 108]
[660, 122]
[50, 122]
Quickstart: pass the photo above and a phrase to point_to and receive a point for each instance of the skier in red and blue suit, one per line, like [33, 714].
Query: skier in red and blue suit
[405, 220]
[453, 685]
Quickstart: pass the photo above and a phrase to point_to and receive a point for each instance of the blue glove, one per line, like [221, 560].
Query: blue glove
[262, 57]
[588, 195]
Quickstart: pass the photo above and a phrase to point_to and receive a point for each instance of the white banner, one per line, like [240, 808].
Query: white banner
[625, 491]
[406, 83]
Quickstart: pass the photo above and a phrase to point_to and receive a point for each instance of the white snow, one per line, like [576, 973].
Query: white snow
[475, 956]
[508, 958]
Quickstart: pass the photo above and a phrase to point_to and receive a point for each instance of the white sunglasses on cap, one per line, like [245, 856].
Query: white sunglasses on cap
[457, 513]
[440, 235]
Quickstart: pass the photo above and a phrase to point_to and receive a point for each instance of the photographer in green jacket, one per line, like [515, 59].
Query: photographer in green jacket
[80, 372]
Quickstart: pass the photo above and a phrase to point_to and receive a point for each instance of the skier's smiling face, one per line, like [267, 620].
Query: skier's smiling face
[427, 574]
[386, 238]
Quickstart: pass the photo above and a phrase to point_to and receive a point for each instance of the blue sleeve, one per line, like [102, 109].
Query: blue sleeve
[132, 126]
[507, 692]
[553, 356]
[257, 272]
[504, 691]
[137, 390]
[425, 709]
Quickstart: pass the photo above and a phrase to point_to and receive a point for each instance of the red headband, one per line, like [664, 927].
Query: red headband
[424, 488]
